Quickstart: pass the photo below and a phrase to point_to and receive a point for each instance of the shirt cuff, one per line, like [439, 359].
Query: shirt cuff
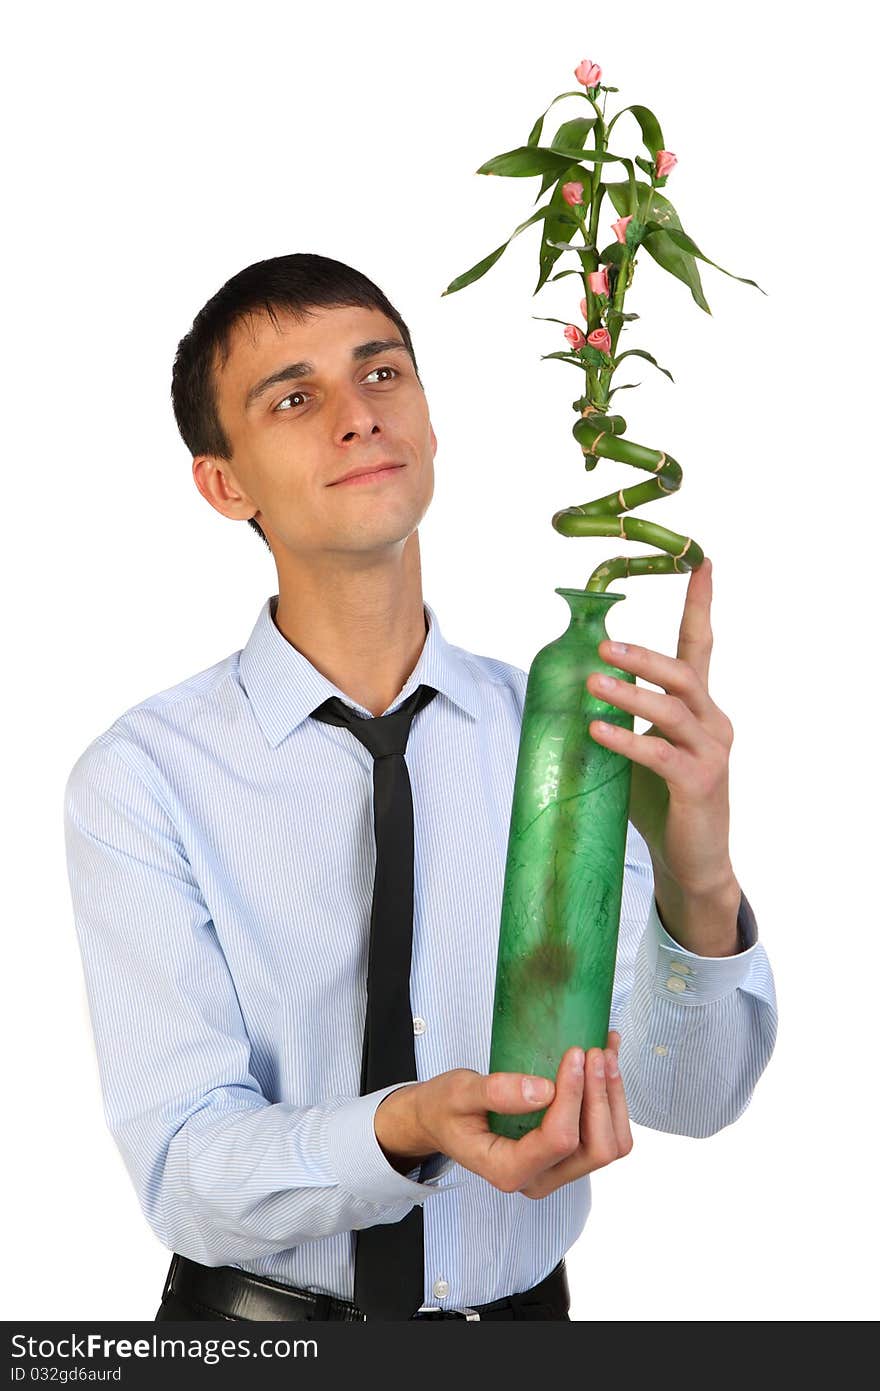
[360, 1163]
[693, 979]
[435, 1166]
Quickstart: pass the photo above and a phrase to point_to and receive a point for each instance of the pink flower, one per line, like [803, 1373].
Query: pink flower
[597, 280]
[584, 307]
[619, 228]
[666, 160]
[573, 193]
[600, 338]
[574, 336]
[588, 73]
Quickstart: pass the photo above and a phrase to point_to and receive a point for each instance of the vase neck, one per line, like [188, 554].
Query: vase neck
[587, 608]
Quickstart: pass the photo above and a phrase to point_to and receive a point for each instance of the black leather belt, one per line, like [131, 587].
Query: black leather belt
[228, 1293]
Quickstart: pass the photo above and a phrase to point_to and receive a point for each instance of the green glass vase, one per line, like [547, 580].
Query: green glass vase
[563, 881]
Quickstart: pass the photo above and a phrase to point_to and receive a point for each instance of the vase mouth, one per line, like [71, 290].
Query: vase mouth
[607, 596]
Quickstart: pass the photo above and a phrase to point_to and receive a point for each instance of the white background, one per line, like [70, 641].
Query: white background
[149, 158]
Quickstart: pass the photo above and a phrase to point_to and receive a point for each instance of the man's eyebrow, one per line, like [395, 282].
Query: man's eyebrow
[295, 371]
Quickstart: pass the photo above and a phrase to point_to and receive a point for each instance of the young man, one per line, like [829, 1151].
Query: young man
[221, 856]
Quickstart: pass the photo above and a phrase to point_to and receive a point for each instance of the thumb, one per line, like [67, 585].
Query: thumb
[515, 1093]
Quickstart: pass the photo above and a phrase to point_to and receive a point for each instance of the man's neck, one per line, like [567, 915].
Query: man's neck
[365, 636]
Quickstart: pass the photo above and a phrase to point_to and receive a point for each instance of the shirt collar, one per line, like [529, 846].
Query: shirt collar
[284, 688]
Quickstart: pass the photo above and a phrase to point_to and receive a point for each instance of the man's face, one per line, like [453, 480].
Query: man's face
[339, 402]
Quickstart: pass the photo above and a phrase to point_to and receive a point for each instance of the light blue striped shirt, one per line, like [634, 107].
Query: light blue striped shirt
[220, 852]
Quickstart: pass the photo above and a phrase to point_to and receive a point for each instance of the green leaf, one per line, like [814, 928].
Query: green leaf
[475, 272]
[535, 134]
[561, 273]
[683, 267]
[652, 136]
[566, 357]
[626, 386]
[527, 160]
[573, 134]
[614, 254]
[604, 157]
[654, 207]
[682, 239]
[546, 320]
[558, 231]
[640, 352]
[594, 357]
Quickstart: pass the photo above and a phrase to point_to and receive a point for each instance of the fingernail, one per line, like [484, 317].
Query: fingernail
[618, 649]
[599, 1064]
[536, 1088]
[613, 1069]
[577, 1059]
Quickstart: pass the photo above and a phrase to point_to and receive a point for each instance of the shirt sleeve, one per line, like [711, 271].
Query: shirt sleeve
[222, 1174]
[696, 1032]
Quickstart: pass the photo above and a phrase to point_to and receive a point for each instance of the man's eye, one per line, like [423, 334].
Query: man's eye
[291, 394]
[288, 398]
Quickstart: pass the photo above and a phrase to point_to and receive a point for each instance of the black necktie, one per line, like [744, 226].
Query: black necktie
[389, 1256]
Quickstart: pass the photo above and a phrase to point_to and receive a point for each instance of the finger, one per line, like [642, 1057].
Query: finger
[695, 633]
[513, 1163]
[660, 756]
[598, 1137]
[617, 1103]
[599, 1143]
[676, 676]
[682, 718]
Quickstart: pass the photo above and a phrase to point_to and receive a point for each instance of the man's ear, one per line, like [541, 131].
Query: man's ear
[218, 485]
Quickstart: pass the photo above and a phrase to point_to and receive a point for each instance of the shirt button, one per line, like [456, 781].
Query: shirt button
[661, 1049]
[676, 983]
[680, 968]
[419, 1025]
[440, 1288]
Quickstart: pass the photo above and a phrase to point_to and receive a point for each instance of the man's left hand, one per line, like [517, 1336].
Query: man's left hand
[679, 800]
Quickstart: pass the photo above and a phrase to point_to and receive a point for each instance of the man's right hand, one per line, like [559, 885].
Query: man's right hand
[585, 1126]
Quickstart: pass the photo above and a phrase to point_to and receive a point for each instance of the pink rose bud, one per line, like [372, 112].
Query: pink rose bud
[597, 281]
[666, 160]
[584, 307]
[600, 339]
[588, 73]
[574, 336]
[619, 227]
[573, 193]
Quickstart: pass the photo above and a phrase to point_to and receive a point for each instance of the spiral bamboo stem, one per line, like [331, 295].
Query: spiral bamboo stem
[600, 437]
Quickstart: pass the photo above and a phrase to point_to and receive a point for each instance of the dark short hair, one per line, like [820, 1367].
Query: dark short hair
[297, 283]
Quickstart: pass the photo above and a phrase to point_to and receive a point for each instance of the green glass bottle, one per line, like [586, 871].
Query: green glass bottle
[563, 881]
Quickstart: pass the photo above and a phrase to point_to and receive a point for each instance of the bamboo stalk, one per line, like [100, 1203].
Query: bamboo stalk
[600, 436]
